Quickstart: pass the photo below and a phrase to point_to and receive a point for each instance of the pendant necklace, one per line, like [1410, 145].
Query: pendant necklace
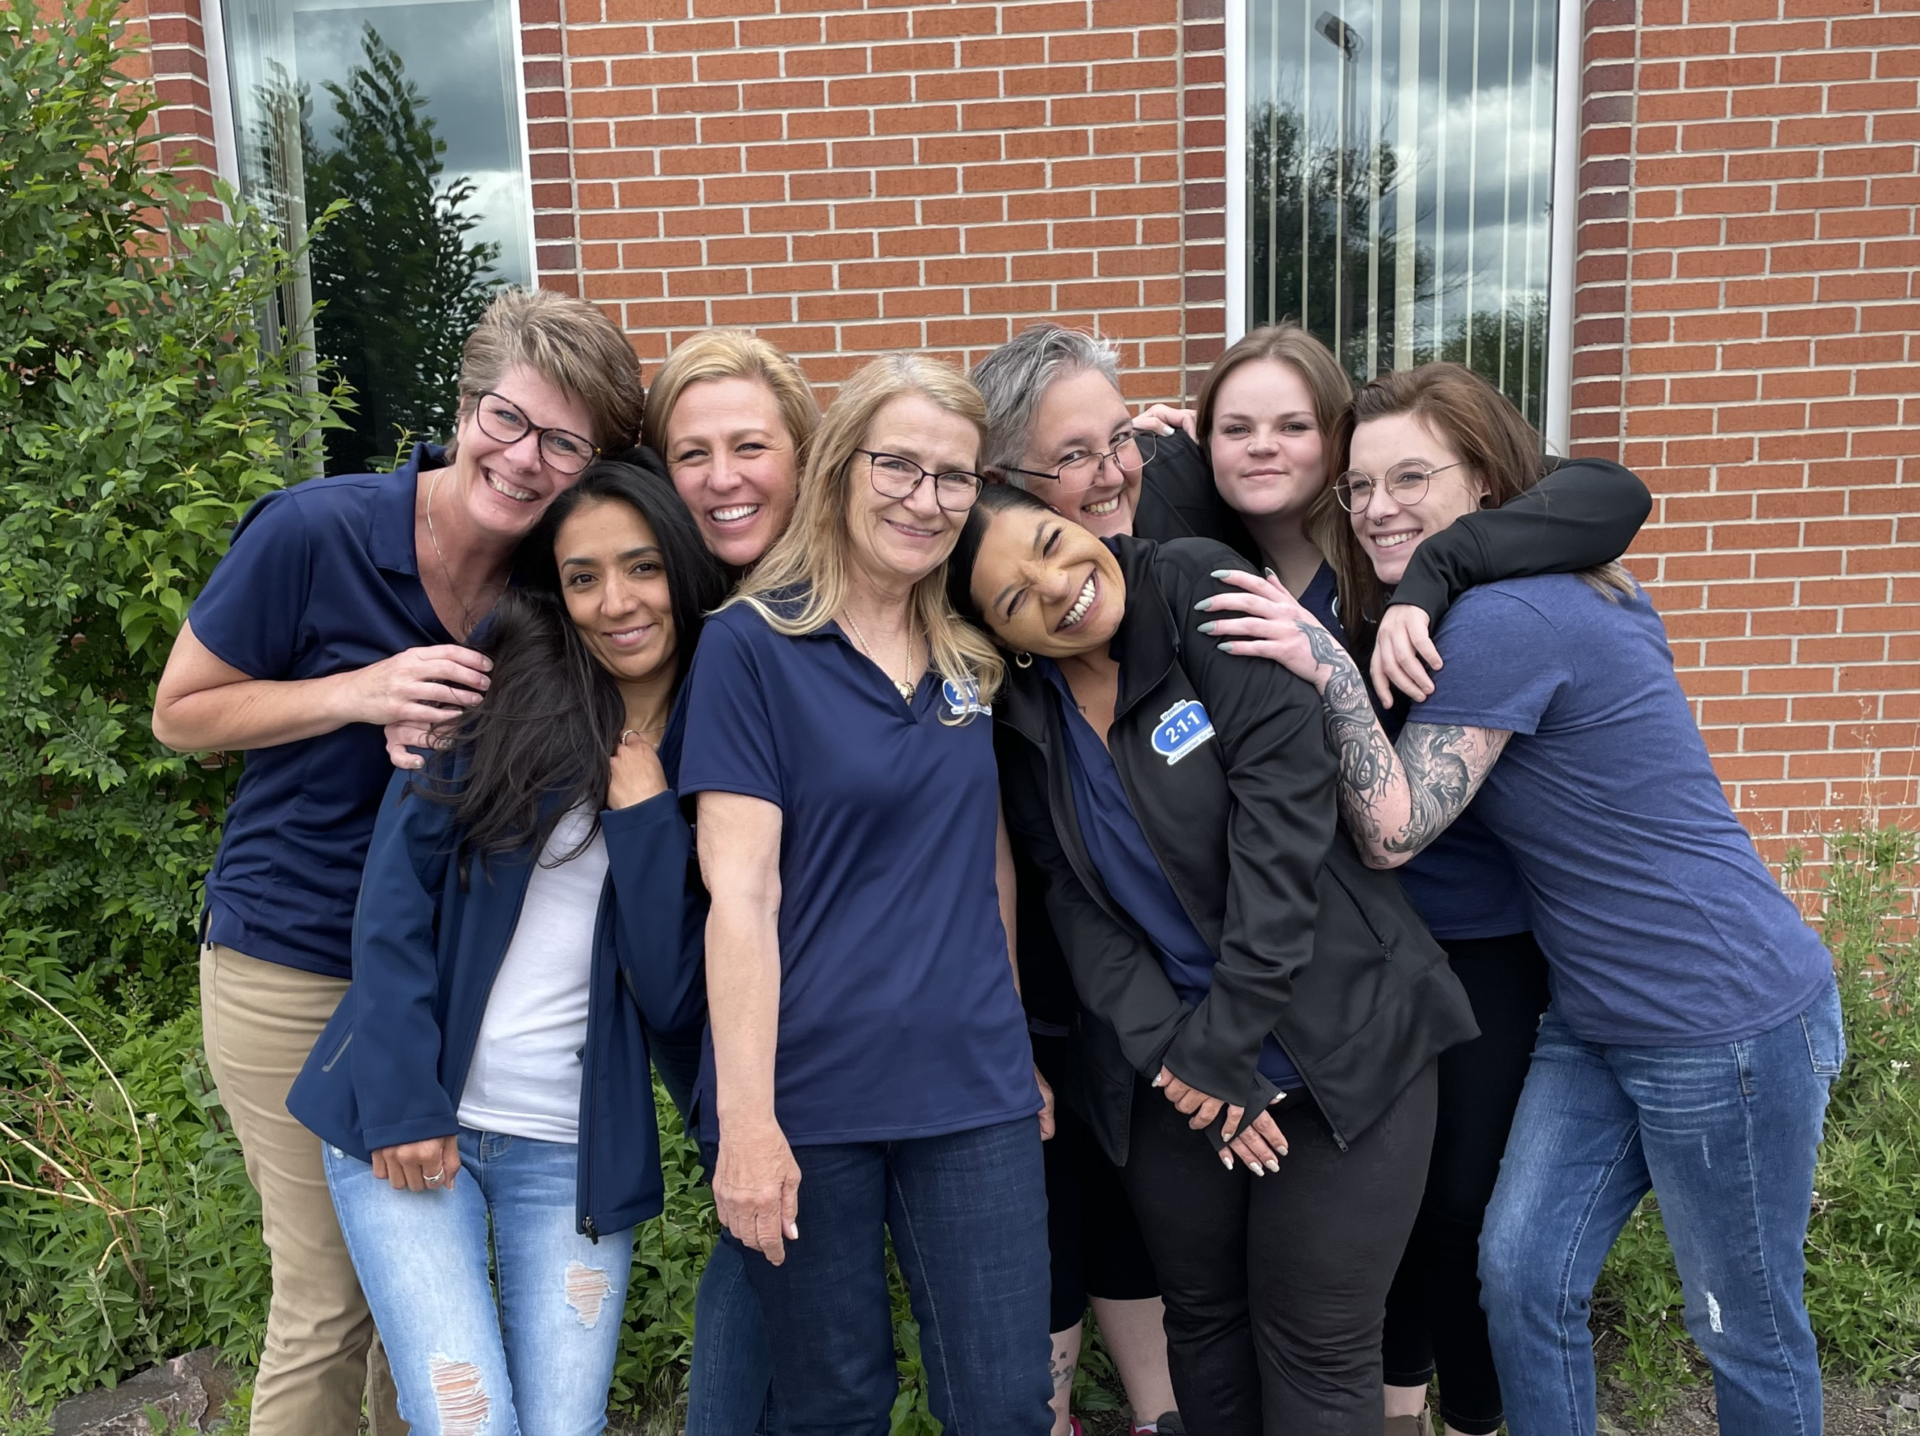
[904, 688]
[466, 612]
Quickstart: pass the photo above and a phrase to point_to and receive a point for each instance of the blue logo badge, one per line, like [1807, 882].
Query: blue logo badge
[963, 702]
[1183, 727]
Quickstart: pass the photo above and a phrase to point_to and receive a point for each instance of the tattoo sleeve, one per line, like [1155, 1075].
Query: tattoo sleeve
[1395, 800]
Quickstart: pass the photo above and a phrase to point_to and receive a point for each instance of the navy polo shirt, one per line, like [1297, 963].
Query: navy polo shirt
[898, 1013]
[1464, 884]
[1133, 875]
[320, 579]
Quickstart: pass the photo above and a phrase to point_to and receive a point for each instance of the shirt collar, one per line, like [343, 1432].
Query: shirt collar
[391, 541]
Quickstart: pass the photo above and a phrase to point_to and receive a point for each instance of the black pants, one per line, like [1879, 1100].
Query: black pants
[1434, 1320]
[1275, 1285]
[1092, 1235]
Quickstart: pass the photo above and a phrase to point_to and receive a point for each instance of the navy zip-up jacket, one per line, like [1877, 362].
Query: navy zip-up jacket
[390, 1067]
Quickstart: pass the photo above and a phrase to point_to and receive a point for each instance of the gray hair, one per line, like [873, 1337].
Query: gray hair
[1013, 377]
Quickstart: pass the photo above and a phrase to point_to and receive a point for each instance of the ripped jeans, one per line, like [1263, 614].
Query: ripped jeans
[1725, 1136]
[534, 1360]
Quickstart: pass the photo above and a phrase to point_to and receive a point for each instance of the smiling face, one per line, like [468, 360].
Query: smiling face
[895, 540]
[504, 488]
[1269, 458]
[1047, 586]
[1390, 530]
[615, 587]
[734, 464]
[1084, 414]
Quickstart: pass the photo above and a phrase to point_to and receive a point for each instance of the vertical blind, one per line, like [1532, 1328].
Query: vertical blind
[1399, 157]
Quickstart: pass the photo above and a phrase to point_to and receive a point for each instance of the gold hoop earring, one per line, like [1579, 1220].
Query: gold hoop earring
[1023, 660]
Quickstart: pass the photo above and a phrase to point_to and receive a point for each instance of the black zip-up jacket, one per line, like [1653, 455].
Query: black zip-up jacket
[1312, 945]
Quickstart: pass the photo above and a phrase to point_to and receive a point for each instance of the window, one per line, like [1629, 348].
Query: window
[1397, 185]
[403, 118]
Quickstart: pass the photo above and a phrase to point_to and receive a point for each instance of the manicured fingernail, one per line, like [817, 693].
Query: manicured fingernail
[1227, 1157]
[793, 1231]
[1204, 604]
[1271, 574]
[1161, 1080]
[1272, 1166]
[1221, 573]
[1206, 627]
[1254, 1167]
[1226, 648]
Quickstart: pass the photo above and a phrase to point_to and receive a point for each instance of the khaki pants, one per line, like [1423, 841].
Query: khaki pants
[322, 1355]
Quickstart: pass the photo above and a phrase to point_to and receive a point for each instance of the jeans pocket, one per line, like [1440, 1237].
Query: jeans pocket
[1826, 1039]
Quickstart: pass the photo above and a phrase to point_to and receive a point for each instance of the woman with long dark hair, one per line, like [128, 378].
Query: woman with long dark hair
[527, 916]
[1235, 952]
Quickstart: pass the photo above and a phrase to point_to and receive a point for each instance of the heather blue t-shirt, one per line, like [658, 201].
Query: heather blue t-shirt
[1660, 924]
[1133, 876]
[320, 579]
[1464, 884]
[898, 1013]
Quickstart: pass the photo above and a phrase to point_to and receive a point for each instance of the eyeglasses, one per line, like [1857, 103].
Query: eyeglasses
[895, 477]
[1081, 470]
[562, 450]
[1407, 483]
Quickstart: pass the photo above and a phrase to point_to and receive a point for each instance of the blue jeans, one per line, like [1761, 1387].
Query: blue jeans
[534, 1360]
[968, 1215]
[732, 1369]
[1725, 1137]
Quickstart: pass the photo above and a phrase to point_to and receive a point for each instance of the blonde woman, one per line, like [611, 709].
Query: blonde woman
[868, 1068]
[732, 416]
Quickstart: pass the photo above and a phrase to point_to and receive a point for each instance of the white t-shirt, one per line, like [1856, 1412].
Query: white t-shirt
[525, 1076]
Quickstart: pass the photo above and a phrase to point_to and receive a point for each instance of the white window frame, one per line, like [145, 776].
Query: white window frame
[1563, 207]
[226, 134]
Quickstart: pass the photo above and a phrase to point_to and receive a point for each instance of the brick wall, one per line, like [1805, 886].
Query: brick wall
[849, 179]
[1748, 340]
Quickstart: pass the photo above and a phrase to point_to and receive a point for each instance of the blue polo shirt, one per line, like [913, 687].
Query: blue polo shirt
[320, 579]
[898, 1013]
[1464, 883]
[1132, 874]
[1661, 925]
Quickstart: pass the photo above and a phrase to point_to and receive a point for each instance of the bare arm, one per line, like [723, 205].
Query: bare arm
[756, 1181]
[1395, 799]
[204, 703]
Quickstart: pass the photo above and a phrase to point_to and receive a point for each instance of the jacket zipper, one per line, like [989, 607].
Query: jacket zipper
[338, 1052]
[1386, 948]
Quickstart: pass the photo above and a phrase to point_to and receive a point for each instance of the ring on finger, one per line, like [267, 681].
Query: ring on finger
[432, 1179]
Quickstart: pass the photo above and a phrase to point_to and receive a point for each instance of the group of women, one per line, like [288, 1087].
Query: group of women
[992, 815]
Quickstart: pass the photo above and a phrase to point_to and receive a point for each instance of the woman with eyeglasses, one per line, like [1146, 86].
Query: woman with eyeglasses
[868, 1069]
[1695, 1026]
[345, 604]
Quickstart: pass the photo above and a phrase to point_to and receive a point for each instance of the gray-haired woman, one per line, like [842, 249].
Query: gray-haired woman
[342, 606]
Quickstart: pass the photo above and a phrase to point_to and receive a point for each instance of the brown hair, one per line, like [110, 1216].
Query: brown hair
[732, 354]
[1498, 448]
[1291, 345]
[569, 343]
[809, 560]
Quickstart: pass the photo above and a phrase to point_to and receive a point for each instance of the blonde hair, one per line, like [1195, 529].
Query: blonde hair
[807, 565]
[1289, 344]
[1495, 443]
[732, 354]
[569, 343]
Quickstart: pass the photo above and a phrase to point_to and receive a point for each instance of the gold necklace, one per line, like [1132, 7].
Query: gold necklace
[466, 613]
[904, 688]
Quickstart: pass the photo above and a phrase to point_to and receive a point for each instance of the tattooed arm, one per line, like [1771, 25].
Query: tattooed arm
[1396, 799]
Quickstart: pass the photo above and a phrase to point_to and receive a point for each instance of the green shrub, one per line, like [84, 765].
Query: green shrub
[1863, 1244]
[142, 407]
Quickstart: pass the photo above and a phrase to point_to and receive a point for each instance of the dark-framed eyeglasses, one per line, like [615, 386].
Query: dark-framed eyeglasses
[562, 450]
[1406, 482]
[896, 477]
[1081, 470]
